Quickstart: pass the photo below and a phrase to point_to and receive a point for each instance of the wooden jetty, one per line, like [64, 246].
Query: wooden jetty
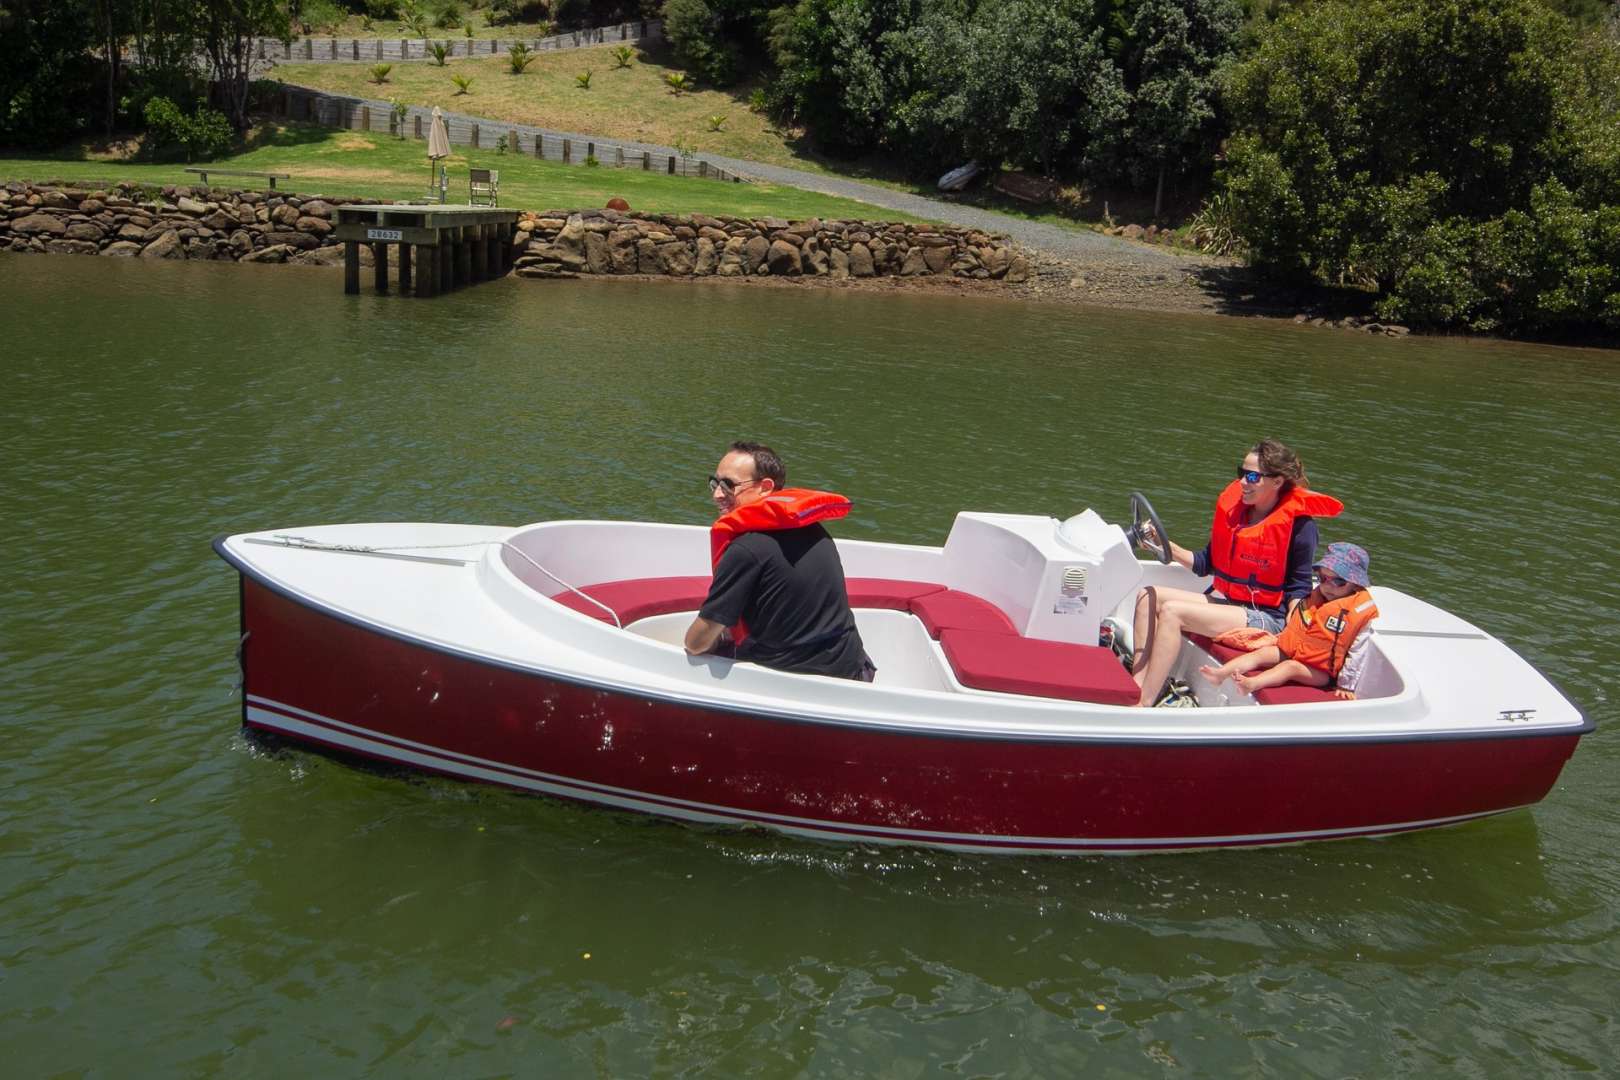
[440, 247]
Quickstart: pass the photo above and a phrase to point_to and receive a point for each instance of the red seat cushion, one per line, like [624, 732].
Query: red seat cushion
[891, 593]
[993, 660]
[952, 610]
[639, 598]
[1293, 694]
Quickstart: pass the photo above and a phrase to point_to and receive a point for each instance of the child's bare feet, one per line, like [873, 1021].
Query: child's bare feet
[1246, 683]
[1212, 673]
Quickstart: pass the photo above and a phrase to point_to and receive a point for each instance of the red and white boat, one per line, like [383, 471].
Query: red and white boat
[547, 658]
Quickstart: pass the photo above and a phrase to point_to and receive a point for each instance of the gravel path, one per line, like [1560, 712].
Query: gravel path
[1069, 244]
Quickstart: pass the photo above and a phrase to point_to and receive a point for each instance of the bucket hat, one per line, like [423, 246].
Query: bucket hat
[1347, 561]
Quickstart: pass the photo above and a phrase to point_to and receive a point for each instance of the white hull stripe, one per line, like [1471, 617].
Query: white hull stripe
[263, 712]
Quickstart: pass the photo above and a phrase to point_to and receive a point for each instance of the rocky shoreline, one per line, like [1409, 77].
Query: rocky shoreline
[194, 222]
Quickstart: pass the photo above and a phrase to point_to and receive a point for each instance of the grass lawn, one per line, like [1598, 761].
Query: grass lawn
[330, 161]
[631, 103]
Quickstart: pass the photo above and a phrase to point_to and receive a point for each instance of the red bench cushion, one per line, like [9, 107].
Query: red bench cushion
[639, 598]
[952, 610]
[890, 593]
[1293, 694]
[642, 598]
[1287, 694]
[993, 660]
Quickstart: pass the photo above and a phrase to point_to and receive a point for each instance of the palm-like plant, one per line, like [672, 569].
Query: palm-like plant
[717, 122]
[678, 82]
[521, 57]
[621, 57]
[463, 84]
[415, 23]
[440, 51]
[584, 79]
[379, 73]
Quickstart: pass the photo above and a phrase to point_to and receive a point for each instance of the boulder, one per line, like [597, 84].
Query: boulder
[1132, 232]
[92, 205]
[675, 258]
[597, 260]
[39, 225]
[647, 257]
[317, 208]
[313, 225]
[707, 257]
[275, 253]
[191, 207]
[284, 214]
[783, 259]
[914, 263]
[1018, 271]
[937, 259]
[838, 264]
[292, 238]
[58, 246]
[755, 250]
[860, 261]
[133, 232]
[329, 255]
[242, 241]
[221, 219]
[85, 231]
[733, 261]
[815, 257]
[166, 246]
[622, 252]
[995, 260]
[124, 249]
[713, 235]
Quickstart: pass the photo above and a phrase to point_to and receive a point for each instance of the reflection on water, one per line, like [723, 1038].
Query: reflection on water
[186, 901]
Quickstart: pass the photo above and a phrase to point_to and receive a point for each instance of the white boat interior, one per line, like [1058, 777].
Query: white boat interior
[607, 604]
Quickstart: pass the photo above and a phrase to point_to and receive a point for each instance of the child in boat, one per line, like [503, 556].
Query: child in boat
[1323, 642]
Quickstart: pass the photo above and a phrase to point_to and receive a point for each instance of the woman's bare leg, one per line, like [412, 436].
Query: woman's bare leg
[1181, 611]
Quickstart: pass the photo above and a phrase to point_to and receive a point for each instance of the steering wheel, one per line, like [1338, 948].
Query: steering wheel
[1142, 515]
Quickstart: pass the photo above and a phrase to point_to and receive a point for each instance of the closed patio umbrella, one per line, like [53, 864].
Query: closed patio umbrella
[438, 143]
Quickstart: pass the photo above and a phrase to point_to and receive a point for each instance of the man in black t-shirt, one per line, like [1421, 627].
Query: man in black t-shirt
[785, 585]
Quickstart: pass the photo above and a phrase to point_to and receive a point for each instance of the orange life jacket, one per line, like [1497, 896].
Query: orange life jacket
[1250, 562]
[1319, 631]
[789, 508]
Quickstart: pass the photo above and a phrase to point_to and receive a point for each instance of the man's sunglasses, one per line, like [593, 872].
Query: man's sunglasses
[731, 486]
[1252, 476]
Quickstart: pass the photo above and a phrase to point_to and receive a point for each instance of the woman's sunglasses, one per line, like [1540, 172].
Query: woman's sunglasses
[1252, 476]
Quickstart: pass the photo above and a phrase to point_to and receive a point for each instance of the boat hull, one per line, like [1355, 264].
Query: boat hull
[317, 677]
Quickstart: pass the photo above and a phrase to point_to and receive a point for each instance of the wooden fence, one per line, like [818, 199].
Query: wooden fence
[358, 114]
[372, 50]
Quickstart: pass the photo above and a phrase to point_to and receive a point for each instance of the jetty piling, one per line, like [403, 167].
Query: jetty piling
[453, 245]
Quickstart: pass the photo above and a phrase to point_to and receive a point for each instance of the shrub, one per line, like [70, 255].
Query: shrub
[758, 102]
[621, 57]
[318, 15]
[414, 23]
[584, 79]
[463, 84]
[439, 51]
[591, 162]
[450, 15]
[520, 57]
[398, 111]
[379, 72]
[204, 134]
[678, 82]
[500, 145]
[717, 122]
[382, 9]
[1215, 227]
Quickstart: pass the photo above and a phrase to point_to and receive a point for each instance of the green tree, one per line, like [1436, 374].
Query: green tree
[49, 80]
[1177, 49]
[226, 29]
[1420, 146]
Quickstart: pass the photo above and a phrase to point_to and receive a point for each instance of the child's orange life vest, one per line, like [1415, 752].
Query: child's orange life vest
[1319, 631]
[1250, 562]
[789, 508]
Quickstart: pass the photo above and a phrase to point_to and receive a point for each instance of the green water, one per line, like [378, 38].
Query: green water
[178, 902]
